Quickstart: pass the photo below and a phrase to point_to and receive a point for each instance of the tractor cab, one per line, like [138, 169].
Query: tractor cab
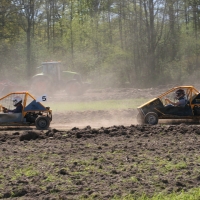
[54, 70]
[50, 69]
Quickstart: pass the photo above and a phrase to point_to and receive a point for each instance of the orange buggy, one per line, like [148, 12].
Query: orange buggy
[33, 112]
[155, 109]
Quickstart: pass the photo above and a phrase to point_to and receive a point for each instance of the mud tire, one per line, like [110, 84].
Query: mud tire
[42, 123]
[151, 118]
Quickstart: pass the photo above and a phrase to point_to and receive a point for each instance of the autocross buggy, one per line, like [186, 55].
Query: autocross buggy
[33, 112]
[155, 109]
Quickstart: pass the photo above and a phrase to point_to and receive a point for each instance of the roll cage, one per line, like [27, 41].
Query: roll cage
[190, 93]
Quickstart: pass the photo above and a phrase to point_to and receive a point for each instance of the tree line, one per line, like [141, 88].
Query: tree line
[110, 42]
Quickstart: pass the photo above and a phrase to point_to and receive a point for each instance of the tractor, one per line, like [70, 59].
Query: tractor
[50, 79]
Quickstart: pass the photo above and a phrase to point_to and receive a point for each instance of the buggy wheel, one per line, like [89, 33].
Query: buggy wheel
[151, 118]
[42, 123]
[140, 119]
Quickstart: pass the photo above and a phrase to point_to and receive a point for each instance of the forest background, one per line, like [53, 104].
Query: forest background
[111, 43]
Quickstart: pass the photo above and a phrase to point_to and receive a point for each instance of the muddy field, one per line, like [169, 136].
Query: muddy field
[101, 156]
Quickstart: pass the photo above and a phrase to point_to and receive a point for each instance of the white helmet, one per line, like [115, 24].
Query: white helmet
[16, 100]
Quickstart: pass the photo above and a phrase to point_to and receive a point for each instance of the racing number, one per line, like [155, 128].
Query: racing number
[44, 98]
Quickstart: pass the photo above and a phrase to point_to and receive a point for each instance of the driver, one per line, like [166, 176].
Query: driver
[17, 102]
[180, 96]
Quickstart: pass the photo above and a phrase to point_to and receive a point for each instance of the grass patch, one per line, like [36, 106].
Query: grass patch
[28, 172]
[193, 194]
[95, 105]
[180, 165]
[50, 178]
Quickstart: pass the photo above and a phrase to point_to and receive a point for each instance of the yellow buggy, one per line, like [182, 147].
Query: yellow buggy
[33, 112]
[155, 109]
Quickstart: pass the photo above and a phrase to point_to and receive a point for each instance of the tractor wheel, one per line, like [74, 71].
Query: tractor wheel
[42, 123]
[40, 86]
[140, 119]
[73, 88]
[151, 118]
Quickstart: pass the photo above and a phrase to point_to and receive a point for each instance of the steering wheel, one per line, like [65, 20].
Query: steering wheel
[5, 110]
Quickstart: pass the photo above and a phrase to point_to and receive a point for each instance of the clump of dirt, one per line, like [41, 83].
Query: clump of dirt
[99, 162]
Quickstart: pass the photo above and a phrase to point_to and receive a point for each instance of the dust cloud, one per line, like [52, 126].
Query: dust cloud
[98, 122]
[104, 118]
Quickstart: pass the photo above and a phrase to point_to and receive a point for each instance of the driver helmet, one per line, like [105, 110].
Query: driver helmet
[180, 93]
[17, 100]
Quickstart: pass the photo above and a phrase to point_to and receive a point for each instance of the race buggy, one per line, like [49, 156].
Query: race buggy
[33, 112]
[155, 109]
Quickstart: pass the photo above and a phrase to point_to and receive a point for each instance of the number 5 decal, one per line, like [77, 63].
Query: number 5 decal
[44, 98]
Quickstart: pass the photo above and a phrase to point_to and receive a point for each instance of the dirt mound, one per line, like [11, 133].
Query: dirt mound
[99, 162]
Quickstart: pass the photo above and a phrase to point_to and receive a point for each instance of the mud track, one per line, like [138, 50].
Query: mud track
[113, 159]
[99, 163]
